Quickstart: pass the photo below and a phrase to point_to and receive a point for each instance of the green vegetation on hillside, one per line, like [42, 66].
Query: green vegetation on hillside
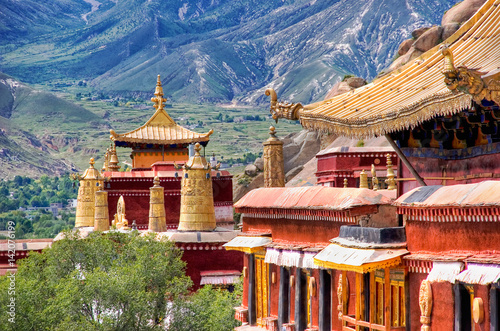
[23, 201]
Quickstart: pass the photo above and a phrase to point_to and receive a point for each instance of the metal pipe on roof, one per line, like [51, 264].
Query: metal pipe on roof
[405, 160]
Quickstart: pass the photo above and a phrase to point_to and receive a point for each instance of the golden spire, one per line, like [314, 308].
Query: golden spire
[101, 216]
[390, 181]
[106, 161]
[363, 179]
[157, 218]
[89, 185]
[113, 159]
[345, 182]
[375, 185]
[197, 202]
[158, 100]
[274, 167]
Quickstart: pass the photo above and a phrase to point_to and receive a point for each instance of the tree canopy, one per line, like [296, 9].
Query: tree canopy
[112, 281]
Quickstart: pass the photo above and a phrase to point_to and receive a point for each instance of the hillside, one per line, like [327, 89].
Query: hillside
[217, 51]
[47, 133]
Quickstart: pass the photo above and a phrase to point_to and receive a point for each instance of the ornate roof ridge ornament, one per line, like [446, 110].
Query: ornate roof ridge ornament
[480, 85]
[290, 111]
[158, 100]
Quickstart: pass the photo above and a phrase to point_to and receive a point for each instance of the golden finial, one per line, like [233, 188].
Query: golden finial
[91, 162]
[375, 185]
[197, 148]
[272, 131]
[158, 100]
[345, 182]
[363, 179]
[156, 181]
[391, 183]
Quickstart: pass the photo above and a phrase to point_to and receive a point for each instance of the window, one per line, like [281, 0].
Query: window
[463, 307]
[380, 300]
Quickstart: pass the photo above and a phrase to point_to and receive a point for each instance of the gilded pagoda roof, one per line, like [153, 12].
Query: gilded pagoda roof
[410, 95]
[161, 128]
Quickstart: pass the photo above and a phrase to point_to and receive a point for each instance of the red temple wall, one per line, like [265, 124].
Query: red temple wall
[352, 160]
[274, 289]
[288, 230]
[205, 260]
[434, 167]
[414, 280]
[135, 192]
[442, 237]
[315, 299]
[483, 292]
[244, 301]
[293, 272]
[443, 309]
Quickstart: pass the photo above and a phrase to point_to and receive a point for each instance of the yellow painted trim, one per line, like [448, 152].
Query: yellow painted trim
[362, 268]
[248, 250]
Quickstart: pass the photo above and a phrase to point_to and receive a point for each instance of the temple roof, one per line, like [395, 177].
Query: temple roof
[161, 128]
[483, 194]
[312, 197]
[410, 95]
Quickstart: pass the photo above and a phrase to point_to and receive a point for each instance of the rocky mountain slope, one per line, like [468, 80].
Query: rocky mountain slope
[217, 51]
[37, 128]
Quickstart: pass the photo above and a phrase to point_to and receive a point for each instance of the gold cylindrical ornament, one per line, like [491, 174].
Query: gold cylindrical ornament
[157, 218]
[197, 202]
[363, 180]
[85, 206]
[274, 166]
[101, 218]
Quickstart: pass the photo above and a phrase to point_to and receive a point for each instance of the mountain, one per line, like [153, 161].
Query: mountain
[208, 51]
[38, 129]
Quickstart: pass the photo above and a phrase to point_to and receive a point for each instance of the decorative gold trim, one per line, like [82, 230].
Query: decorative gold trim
[368, 267]
[425, 302]
[408, 117]
[289, 111]
[471, 81]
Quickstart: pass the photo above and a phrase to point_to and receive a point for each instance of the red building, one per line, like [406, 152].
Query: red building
[171, 190]
[339, 163]
[439, 268]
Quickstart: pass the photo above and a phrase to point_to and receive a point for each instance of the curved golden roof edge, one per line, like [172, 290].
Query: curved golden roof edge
[441, 102]
[196, 137]
[436, 105]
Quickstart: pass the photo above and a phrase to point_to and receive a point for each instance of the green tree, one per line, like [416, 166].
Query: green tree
[208, 309]
[113, 281]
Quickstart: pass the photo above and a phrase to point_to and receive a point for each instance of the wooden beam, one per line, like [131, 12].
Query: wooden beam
[403, 158]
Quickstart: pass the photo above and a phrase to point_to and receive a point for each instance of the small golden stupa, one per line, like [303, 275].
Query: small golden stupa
[197, 203]
[157, 219]
[274, 166]
[101, 221]
[89, 185]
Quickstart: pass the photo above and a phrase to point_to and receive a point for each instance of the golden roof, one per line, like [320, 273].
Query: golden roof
[161, 128]
[410, 95]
